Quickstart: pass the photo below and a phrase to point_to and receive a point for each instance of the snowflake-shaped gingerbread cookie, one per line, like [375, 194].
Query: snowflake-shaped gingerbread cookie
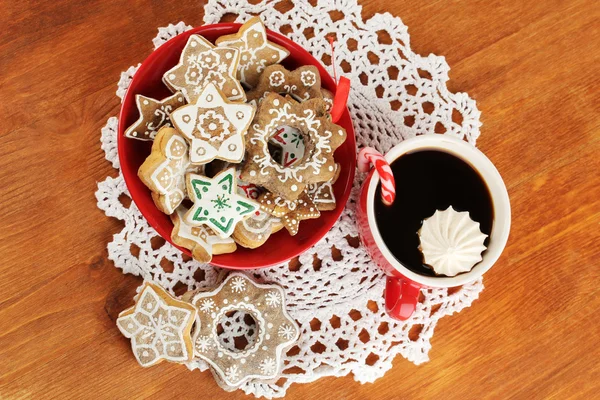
[165, 168]
[159, 327]
[256, 52]
[214, 126]
[201, 62]
[275, 330]
[321, 138]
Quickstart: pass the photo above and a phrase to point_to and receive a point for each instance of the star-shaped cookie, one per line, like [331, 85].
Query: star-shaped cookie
[214, 126]
[164, 169]
[256, 52]
[159, 327]
[200, 63]
[154, 114]
[291, 212]
[216, 202]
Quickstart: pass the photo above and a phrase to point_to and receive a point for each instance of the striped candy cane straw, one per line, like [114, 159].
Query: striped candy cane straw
[369, 156]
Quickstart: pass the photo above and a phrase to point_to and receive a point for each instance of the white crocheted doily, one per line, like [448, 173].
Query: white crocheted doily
[335, 291]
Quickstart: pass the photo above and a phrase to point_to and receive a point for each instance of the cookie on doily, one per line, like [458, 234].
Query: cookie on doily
[256, 52]
[275, 330]
[159, 327]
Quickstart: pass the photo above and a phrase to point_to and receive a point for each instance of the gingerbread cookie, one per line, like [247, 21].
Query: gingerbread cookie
[275, 330]
[256, 52]
[254, 231]
[302, 84]
[321, 138]
[164, 169]
[291, 212]
[322, 193]
[200, 63]
[216, 203]
[290, 146]
[214, 126]
[200, 240]
[159, 327]
[154, 114]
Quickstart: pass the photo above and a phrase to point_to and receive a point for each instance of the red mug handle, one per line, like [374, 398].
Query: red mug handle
[401, 297]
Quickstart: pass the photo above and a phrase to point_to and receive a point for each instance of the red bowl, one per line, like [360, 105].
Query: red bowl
[280, 247]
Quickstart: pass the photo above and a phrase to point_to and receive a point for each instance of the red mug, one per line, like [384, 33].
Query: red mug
[403, 285]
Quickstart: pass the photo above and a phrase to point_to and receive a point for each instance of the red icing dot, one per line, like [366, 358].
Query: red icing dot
[257, 213]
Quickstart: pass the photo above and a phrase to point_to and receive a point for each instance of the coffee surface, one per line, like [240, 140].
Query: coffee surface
[427, 181]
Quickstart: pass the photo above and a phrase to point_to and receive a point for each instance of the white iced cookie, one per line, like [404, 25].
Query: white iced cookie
[451, 242]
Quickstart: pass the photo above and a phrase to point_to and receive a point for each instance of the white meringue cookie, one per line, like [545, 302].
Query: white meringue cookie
[451, 242]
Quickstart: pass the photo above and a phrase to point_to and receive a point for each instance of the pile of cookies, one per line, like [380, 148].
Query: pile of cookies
[243, 148]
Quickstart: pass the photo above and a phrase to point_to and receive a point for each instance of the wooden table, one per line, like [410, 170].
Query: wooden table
[533, 68]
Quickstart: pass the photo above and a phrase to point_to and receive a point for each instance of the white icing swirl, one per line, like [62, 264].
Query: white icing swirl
[451, 242]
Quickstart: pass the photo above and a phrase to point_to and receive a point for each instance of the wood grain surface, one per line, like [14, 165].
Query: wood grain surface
[534, 69]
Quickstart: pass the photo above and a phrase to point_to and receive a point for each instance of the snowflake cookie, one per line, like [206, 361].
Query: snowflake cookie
[291, 212]
[201, 62]
[256, 52]
[301, 84]
[159, 327]
[164, 169]
[321, 138]
[275, 330]
[200, 240]
[216, 203]
[214, 126]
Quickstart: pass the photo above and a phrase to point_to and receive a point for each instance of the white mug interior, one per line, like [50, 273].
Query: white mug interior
[500, 203]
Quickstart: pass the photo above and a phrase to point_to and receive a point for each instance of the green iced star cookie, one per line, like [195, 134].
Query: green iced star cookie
[216, 203]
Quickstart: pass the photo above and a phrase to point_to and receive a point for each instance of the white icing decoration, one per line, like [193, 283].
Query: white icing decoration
[188, 120]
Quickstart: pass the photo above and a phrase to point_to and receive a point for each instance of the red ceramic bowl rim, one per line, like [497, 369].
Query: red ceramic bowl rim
[341, 203]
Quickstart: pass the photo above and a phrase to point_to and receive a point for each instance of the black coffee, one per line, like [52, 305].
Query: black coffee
[427, 181]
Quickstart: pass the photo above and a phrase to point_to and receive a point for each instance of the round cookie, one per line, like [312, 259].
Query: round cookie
[164, 169]
[256, 52]
[321, 138]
